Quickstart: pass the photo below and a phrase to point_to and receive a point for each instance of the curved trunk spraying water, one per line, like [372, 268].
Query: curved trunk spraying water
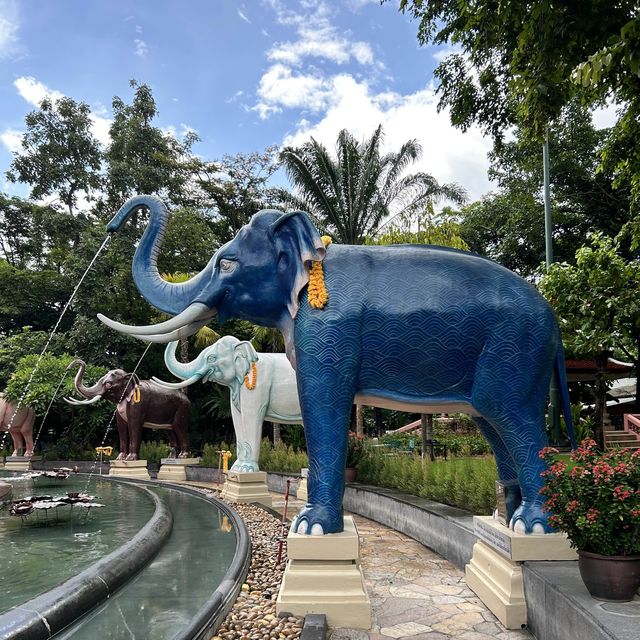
[167, 296]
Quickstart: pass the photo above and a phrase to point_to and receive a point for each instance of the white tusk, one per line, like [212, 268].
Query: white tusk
[183, 332]
[82, 402]
[176, 385]
[194, 312]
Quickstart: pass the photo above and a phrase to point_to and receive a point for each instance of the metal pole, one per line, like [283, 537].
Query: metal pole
[554, 391]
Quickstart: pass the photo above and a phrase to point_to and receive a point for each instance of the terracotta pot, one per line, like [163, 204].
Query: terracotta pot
[350, 474]
[613, 578]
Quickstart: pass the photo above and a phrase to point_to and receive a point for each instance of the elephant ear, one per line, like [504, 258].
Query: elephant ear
[244, 355]
[298, 243]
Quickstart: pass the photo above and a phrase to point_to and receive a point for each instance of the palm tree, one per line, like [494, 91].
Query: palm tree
[350, 196]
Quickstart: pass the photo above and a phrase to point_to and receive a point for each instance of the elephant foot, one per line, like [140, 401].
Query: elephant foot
[132, 456]
[28, 454]
[173, 453]
[245, 466]
[317, 519]
[530, 518]
[183, 454]
[121, 456]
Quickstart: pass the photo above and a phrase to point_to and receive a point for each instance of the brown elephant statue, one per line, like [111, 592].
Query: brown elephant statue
[19, 424]
[140, 403]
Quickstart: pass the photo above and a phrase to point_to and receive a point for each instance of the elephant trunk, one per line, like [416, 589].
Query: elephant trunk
[172, 298]
[183, 370]
[87, 392]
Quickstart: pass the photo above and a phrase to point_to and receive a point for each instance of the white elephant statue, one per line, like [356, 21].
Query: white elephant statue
[262, 385]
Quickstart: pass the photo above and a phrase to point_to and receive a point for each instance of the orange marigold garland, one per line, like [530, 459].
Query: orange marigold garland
[317, 291]
[254, 377]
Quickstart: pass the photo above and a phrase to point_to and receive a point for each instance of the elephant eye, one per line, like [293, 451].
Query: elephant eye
[227, 266]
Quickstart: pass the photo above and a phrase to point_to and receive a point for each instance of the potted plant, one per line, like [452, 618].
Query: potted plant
[595, 499]
[354, 453]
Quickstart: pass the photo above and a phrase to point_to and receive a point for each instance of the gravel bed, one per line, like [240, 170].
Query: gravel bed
[253, 616]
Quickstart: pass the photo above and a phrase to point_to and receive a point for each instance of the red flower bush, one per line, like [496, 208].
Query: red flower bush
[595, 498]
[355, 449]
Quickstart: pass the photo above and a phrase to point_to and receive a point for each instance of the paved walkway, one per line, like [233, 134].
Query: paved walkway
[415, 594]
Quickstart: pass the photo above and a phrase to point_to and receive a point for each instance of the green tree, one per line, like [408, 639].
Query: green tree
[597, 303]
[141, 157]
[351, 194]
[59, 153]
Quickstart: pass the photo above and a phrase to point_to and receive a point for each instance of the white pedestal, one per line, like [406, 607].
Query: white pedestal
[173, 469]
[301, 493]
[19, 463]
[129, 469]
[323, 575]
[495, 573]
[246, 487]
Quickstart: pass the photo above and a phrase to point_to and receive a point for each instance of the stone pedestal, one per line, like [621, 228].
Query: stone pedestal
[19, 463]
[301, 493]
[129, 469]
[495, 572]
[323, 575]
[173, 469]
[246, 487]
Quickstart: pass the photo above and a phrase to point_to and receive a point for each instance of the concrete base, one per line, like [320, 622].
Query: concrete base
[246, 487]
[497, 581]
[323, 575]
[19, 463]
[173, 469]
[129, 469]
[495, 572]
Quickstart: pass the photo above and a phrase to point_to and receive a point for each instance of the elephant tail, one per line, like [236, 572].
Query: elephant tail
[561, 377]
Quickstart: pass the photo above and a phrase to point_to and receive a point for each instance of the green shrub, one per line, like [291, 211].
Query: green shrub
[211, 457]
[153, 452]
[468, 483]
[282, 458]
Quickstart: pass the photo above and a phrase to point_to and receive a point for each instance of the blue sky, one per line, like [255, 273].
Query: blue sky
[243, 75]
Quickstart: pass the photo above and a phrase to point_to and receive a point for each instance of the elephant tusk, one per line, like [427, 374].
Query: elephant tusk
[183, 332]
[194, 312]
[176, 385]
[75, 402]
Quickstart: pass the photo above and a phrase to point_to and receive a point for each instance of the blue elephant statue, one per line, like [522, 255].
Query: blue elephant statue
[416, 328]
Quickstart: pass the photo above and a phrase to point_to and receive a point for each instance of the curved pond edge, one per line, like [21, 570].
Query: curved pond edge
[46, 614]
[51, 612]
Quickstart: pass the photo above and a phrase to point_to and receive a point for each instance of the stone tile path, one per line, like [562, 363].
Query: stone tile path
[415, 594]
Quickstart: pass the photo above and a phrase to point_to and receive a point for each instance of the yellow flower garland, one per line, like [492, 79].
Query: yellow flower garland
[317, 291]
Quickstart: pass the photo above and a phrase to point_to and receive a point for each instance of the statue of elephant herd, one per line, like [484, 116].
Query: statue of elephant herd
[422, 329]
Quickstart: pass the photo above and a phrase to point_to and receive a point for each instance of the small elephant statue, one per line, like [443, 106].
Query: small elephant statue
[19, 423]
[140, 403]
[262, 386]
[412, 327]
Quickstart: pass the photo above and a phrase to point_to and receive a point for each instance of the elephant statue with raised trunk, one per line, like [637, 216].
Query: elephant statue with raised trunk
[417, 328]
[262, 386]
[18, 421]
[140, 404]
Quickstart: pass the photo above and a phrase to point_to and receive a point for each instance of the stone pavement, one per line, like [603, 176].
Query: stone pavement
[415, 594]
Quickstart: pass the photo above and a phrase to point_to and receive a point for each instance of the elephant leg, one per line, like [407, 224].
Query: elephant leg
[507, 470]
[510, 393]
[247, 423]
[123, 437]
[181, 422]
[18, 444]
[173, 442]
[326, 397]
[135, 438]
[27, 433]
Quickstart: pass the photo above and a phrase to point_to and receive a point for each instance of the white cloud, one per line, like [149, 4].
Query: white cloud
[605, 117]
[34, 91]
[11, 139]
[243, 16]
[8, 27]
[142, 49]
[279, 88]
[448, 154]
